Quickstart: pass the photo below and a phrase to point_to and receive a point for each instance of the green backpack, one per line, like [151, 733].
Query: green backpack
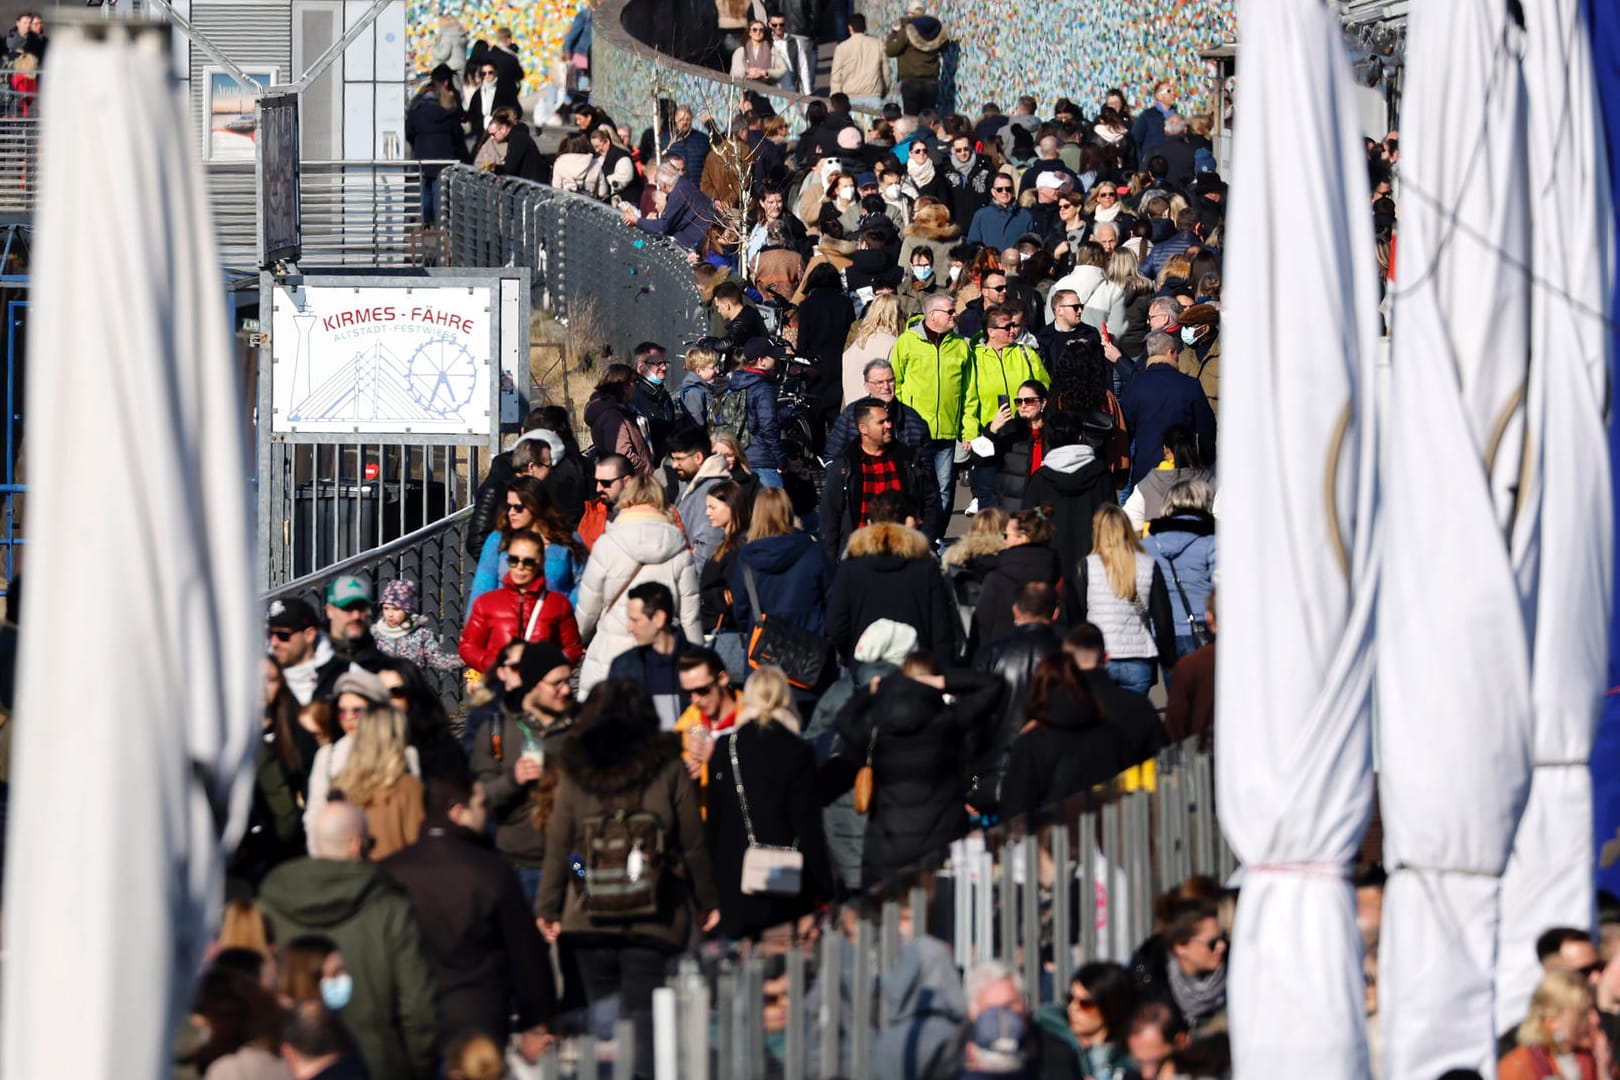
[731, 416]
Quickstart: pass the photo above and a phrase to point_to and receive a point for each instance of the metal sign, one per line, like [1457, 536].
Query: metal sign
[379, 359]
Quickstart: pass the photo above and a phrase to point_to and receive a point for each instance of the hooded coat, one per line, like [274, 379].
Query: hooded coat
[764, 449]
[1013, 659]
[917, 47]
[692, 505]
[644, 545]
[612, 765]
[792, 577]
[1013, 569]
[1075, 483]
[1070, 753]
[927, 1013]
[614, 431]
[368, 915]
[889, 573]
[922, 753]
[1184, 547]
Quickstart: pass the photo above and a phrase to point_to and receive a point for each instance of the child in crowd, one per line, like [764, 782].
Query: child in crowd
[403, 633]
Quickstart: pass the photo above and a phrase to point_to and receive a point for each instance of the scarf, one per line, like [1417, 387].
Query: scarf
[758, 56]
[1100, 215]
[1199, 998]
[921, 169]
[965, 167]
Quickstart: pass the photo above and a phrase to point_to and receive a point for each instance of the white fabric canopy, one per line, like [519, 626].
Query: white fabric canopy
[1567, 494]
[135, 712]
[1454, 678]
[1298, 558]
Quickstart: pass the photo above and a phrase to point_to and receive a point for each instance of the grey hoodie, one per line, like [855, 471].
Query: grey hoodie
[450, 48]
[927, 1010]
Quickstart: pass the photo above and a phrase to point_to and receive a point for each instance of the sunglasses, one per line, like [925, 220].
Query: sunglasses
[1028, 400]
[516, 561]
[398, 693]
[601, 483]
[756, 29]
[1002, 190]
[1107, 195]
[516, 507]
[700, 691]
[1086, 1005]
[1000, 327]
[1213, 943]
[778, 26]
[282, 635]
[487, 71]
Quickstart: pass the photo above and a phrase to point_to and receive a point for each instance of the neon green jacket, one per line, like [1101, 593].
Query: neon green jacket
[990, 376]
[932, 378]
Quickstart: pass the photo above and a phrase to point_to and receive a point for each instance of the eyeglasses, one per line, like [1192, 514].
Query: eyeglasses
[1589, 970]
[705, 689]
[993, 288]
[354, 710]
[487, 71]
[918, 148]
[281, 635]
[516, 561]
[1002, 190]
[962, 150]
[1107, 195]
[1028, 400]
[756, 29]
[609, 482]
[778, 26]
[880, 384]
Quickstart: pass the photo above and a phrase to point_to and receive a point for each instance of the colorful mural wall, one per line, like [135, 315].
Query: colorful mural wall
[537, 28]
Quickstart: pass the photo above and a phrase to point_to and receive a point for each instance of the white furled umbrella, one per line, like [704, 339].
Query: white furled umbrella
[1457, 584]
[1567, 492]
[135, 713]
[1298, 461]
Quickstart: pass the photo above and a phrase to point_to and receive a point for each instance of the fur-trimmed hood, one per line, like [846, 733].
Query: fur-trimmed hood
[973, 546]
[926, 34]
[838, 252]
[608, 758]
[935, 226]
[706, 294]
[887, 538]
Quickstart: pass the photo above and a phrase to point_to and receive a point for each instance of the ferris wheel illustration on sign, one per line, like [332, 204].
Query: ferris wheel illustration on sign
[374, 384]
[441, 378]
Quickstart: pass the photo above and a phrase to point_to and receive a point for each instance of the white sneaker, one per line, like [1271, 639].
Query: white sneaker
[971, 509]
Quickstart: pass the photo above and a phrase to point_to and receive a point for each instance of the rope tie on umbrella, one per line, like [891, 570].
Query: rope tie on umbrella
[1328, 870]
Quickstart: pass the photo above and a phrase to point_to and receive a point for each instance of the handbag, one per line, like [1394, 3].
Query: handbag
[766, 871]
[1198, 627]
[864, 778]
[801, 654]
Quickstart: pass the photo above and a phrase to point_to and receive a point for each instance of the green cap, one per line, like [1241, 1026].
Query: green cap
[347, 591]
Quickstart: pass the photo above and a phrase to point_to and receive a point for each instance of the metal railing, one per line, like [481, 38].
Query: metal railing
[434, 557]
[620, 284]
[1074, 887]
[19, 164]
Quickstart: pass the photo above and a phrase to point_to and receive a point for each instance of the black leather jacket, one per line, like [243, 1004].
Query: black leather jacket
[1013, 659]
[491, 498]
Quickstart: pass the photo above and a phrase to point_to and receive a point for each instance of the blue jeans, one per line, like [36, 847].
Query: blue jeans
[943, 454]
[771, 478]
[984, 482]
[529, 880]
[1134, 675]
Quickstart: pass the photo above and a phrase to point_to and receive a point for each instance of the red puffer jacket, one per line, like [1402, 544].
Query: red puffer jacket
[501, 614]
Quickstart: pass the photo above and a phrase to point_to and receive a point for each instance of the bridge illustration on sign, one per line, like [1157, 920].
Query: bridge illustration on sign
[435, 383]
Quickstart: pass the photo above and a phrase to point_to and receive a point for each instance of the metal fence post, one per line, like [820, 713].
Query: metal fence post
[1088, 887]
[962, 903]
[1062, 897]
[725, 992]
[584, 1047]
[666, 1052]
[624, 1049]
[793, 1050]
[831, 999]
[919, 912]
[860, 1042]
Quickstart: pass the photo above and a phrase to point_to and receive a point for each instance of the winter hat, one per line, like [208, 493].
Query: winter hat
[362, 682]
[1201, 315]
[550, 438]
[540, 658]
[400, 593]
[887, 641]
[849, 138]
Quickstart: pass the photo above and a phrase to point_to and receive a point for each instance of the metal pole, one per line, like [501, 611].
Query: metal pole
[1030, 910]
[1062, 897]
[585, 1056]
[888, 951]
[752, 1002]
[726, 994]
[1088, 886]
[831, 992]
[1111, 898]
[793, 1052]
[962, 903]
[984, 906]
[919, 912]
[550, 1069]
[624, 1046]
[861, 1038]
[666, 1055]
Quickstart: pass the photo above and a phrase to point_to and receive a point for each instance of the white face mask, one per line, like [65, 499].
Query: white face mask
[956, 272]
[892, 192]
[846, 193]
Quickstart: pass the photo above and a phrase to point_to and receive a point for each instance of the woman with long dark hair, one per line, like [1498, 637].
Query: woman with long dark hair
[426, 721]
[275, 829]
[529, 506]
[727, 507]
[613, 426]
[1068, 751]
[1085, 1037]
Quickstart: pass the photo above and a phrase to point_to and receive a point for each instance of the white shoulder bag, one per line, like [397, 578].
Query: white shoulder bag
[766, 871]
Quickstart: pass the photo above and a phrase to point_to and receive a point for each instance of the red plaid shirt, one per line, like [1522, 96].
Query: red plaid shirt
[878, 474]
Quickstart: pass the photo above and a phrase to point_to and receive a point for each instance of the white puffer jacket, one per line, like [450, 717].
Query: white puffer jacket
[640, 537]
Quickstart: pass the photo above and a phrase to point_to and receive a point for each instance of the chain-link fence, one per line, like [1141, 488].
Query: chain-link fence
[608, 281]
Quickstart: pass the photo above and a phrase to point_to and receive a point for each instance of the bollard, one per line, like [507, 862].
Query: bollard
[624, 1047]
[793, 1052]
[1030, 912]
[860, 1043]
[888, 948]
[1062, 897]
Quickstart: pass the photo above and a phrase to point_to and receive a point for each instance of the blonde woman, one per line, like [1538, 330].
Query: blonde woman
[642, 544]
[1556, 1040]
[777, 772]
[870, 339]
[1124, 270]
[357, 693]
[1120, 590]
[377, 779]
[1175, 268]
[790, 573]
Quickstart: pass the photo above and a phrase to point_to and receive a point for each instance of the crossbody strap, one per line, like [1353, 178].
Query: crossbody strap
[1176, 577]
[625, 587]
[742, 796]
[753, 594]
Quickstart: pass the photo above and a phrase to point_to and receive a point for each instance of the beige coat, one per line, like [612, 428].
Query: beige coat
[860, 68]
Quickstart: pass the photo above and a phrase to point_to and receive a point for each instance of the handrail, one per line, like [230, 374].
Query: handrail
[317, 578]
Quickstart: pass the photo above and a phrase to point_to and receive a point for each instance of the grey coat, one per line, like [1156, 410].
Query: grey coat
[845, 829]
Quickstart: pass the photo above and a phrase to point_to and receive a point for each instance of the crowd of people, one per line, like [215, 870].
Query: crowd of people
[734, 675]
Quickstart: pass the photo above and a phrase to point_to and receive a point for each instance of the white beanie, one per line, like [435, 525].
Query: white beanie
[887, 641]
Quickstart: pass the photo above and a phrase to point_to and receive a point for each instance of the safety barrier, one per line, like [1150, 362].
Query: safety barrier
[587, 264]
[435, 558]
[1076, 887]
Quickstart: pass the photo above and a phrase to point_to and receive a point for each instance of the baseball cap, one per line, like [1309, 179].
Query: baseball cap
[866, 179]
[291, 614]
[347, 591]
[1051, 180]
[758, 348]
[1000, 1030]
